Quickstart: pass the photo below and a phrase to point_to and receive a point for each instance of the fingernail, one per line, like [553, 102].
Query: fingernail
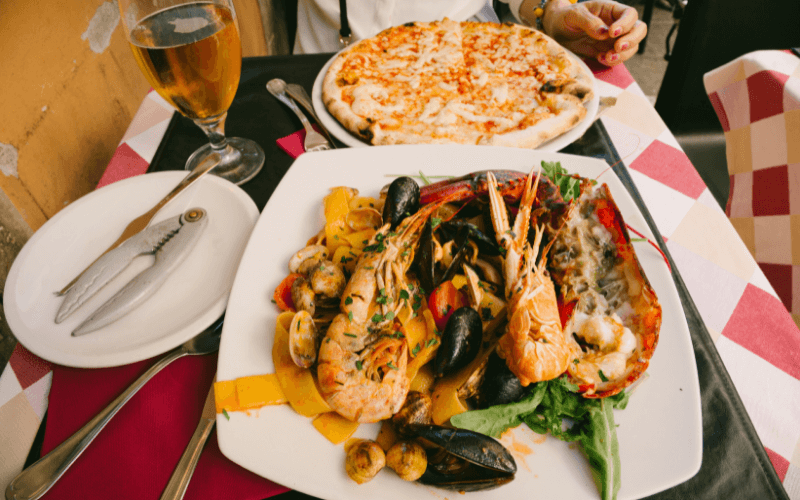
[617, 32]
[603, 30]
[614, 57]
[624, 46]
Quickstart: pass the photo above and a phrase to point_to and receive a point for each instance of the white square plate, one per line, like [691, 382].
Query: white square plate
[660, 433]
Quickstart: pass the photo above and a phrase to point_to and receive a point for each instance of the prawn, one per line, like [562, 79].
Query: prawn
[362, 362]
[533, 345]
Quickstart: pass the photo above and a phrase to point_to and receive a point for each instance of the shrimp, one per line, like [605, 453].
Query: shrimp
[362, 362]
[533, 345]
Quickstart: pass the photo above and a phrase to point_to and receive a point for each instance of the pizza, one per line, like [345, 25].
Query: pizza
[450, 82]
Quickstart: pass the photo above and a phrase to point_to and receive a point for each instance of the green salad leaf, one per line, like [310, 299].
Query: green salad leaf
[570, 186]
[495, 420]
[555, 407]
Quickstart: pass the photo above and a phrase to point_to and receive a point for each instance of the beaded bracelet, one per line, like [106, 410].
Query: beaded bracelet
[539, 13]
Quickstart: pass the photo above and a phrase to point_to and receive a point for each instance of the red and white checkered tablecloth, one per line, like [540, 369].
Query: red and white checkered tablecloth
[754, 333]
[757, 100]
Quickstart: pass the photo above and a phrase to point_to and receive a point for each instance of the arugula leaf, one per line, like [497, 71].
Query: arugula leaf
[569, 186]
[600, 444]
[495, 420]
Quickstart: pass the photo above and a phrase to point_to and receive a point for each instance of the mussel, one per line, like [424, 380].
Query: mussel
[402, 200]
[464, 460]
[461, 341]
[486, 244]
[498, 384]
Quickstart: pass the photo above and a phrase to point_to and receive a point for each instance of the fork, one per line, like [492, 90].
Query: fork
[314, 141]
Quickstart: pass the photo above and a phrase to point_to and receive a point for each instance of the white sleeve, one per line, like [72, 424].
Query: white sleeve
[513, 6]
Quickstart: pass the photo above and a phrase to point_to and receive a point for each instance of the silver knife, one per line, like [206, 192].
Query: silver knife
[176, 487]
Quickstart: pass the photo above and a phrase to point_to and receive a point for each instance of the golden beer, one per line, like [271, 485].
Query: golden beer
[191, 55]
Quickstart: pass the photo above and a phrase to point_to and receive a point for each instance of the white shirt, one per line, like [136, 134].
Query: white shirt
[318, 21]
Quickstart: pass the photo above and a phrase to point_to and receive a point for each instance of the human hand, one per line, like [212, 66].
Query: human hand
[603, 29]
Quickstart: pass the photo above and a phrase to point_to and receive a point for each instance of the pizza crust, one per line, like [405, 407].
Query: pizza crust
[341, 110]
[572, 112]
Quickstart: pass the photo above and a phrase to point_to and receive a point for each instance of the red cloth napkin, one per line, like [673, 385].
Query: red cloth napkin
[292, 144]
[135, 455]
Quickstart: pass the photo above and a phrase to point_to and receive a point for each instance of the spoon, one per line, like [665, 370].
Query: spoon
[34, 481]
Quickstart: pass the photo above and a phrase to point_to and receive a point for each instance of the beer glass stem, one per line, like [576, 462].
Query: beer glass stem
[214, 128]
[240, 159]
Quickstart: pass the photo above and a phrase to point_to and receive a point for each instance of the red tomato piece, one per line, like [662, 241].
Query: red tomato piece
[565, 311]
[283, 293]
[443, 302]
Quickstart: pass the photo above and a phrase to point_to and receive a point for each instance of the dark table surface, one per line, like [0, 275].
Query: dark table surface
[734, 465]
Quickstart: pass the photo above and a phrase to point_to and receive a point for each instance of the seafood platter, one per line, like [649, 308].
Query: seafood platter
[449, 319]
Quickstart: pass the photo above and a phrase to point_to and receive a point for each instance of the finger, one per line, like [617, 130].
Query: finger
[580, 20]
[627, 53]
[609, 58]
[625, 19]
[632, 38]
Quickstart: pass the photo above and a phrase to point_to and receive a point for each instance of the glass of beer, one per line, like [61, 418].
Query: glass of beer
[191, 54]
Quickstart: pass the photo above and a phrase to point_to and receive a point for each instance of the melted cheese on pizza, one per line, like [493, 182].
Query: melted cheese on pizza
[451, 82]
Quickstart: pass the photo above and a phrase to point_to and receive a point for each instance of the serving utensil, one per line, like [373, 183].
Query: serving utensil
[314, 141]
[299, 94]
[176, 487]
[34, 481]
[141, 222]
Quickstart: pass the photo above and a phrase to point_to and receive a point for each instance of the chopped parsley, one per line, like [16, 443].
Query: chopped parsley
[602, 376]
[225, 412]
[358, 365]
[351, 335]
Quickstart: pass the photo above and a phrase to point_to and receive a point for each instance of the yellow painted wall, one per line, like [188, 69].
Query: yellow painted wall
[65, 106]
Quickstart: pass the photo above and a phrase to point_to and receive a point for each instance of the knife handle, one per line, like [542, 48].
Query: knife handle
[176, 487]
[34, 481]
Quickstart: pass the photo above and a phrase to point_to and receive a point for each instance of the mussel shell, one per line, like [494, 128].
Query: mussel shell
[486, 244]
[499, 384]
[479, 449]
[402, 200]
[461, 341]
[426, 259]
[471, 477]
[462, 251]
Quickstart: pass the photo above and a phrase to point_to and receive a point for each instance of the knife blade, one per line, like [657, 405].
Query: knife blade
[176, 487]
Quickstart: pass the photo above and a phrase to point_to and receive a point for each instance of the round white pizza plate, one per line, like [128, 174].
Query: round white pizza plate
[553, 145]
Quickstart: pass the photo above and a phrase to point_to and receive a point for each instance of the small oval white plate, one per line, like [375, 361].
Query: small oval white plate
[193, 297]
[555, 144]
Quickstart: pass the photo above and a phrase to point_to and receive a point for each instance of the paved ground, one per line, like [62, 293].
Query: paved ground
[648, 69]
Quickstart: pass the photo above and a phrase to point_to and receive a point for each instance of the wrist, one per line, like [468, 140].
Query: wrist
[553, 11]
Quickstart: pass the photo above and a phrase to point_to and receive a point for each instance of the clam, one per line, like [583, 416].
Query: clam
[303, 340]
[360, 219]
[415, 410]
[364, 460]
